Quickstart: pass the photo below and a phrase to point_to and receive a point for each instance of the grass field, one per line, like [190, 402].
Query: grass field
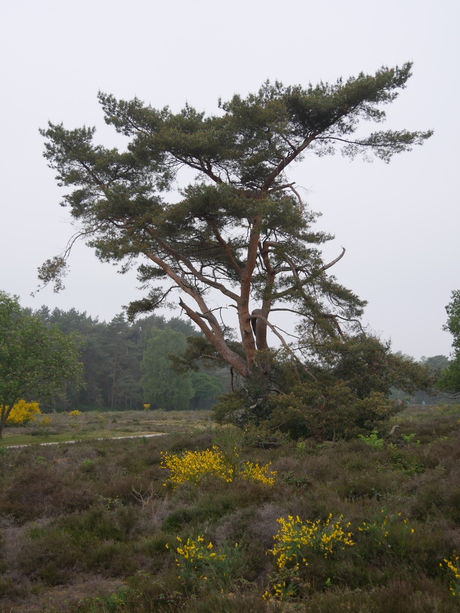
[366, 526]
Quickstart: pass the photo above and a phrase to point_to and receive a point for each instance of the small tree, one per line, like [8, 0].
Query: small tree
[241, 228]
[35, 359]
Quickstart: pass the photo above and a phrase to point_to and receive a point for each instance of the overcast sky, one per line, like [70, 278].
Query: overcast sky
[399, 222]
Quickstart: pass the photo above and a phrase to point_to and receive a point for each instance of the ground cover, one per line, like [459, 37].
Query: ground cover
[140, 525]
[63, 427]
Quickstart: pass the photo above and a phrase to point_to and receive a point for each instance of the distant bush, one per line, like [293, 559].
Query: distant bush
[23, 412]
[341, 391]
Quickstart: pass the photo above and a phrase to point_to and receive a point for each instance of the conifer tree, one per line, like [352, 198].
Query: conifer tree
[241, 228]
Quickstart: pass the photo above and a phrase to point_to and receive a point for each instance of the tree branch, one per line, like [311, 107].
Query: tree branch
[225, 247]
[283, 342]
[337, 259]
[196, 273]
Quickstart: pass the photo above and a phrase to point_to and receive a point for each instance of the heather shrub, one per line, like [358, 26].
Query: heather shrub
[49, 555]
[387, 535]
[111, 558]
[366, 484]
[10, 589]
[112, 522]
[208, 509]
[39, 490]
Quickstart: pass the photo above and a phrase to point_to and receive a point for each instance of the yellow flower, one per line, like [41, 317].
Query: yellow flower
[22, 412]
[192, 466]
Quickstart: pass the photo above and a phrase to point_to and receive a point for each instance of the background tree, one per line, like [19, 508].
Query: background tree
[35, 359]
[162, 387]
[111, 354]
[449, 380]
[435, 363]
[206, 388]
[92, 354]
[240, 228]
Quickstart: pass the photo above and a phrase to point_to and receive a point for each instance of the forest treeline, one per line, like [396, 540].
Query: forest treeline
[126, 366]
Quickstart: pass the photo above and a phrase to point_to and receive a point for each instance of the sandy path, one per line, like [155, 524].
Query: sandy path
[87, 440]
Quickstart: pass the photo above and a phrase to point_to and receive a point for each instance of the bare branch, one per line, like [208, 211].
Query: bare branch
[302, 205]
[337, 259]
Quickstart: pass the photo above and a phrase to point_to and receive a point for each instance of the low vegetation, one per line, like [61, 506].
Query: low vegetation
[80, 426]
[367, 525]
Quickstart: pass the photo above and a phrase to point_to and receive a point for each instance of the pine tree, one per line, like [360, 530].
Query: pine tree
[240, 229]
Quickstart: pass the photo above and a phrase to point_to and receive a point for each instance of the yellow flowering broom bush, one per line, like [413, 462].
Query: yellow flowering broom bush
[193, 466]
[253, 472]
[294, 539]
[452, 566]
[23, 412]
[389, 534]
[197, 559]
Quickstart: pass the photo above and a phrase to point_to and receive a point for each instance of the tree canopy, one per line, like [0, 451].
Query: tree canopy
[240, 228]
[35, 359]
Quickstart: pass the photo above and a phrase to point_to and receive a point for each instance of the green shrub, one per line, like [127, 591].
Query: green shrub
[329, 413]
[373, 440]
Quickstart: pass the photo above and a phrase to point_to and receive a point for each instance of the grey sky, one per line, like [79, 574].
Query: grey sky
[398, 222]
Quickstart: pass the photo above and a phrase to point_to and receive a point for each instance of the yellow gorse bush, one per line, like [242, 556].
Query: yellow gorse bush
[453, 567]
[200, 560]
[295, 537]
[193, 466]
[75, 413]
[196, 552]
[22, 412]
[254, 472]
[293, 541]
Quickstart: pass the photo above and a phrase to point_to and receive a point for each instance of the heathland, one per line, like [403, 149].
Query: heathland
[207, 518]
